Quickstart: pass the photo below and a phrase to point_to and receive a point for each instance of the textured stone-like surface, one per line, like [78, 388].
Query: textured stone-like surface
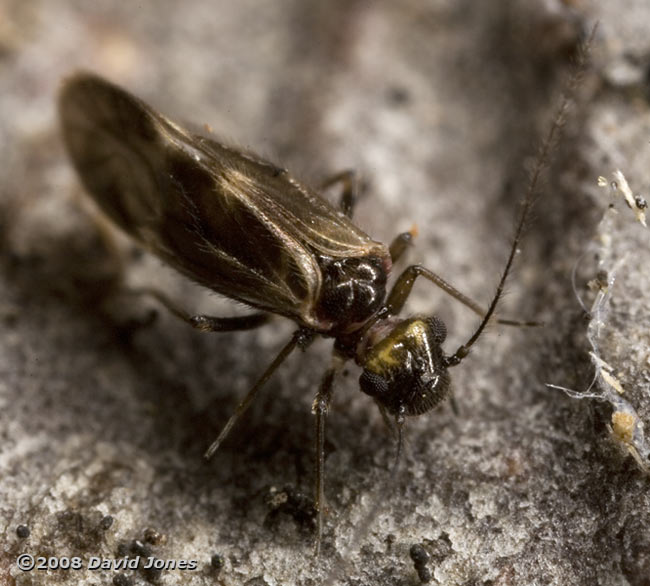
[440, 106]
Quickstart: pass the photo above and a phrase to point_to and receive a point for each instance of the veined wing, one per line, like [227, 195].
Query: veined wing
[226, 219]
[299, 210]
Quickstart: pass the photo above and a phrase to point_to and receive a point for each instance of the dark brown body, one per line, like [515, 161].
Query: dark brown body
[246, 229]
[226, 219]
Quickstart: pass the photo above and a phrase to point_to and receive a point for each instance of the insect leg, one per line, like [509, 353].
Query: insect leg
[400, 244]
[206, 323]
[402, 289]
[320, 408]
[404, 284]
[300, 338]
[350, 189]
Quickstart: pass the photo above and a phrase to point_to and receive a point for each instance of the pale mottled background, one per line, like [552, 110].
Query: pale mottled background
[439, 104]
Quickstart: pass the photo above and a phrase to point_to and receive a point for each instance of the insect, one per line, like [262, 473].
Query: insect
[247, 229]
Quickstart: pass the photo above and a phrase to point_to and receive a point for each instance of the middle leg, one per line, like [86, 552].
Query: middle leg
[301, 338]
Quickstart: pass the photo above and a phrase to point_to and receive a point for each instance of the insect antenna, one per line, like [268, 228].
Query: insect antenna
[542, 161]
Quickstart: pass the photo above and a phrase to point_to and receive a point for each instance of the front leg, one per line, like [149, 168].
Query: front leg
[400, 244]
[404, 284]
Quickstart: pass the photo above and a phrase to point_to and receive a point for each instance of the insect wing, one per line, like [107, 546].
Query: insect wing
[294, 207]
[224, 218]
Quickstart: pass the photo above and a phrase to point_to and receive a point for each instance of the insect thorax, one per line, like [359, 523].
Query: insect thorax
[352, 290]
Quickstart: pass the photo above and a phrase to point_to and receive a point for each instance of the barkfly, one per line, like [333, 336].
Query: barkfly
[248, 230]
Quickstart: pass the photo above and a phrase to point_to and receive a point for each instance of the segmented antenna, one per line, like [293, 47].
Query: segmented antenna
[542, 162]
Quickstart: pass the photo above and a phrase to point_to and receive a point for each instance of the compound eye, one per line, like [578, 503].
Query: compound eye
[373, 384]
[438, 328]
